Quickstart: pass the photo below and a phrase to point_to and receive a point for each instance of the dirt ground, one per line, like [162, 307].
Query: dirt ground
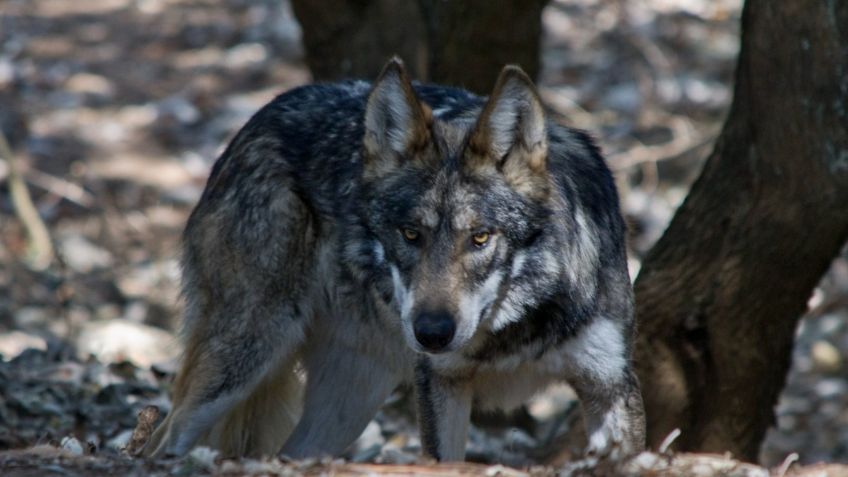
[118, 108]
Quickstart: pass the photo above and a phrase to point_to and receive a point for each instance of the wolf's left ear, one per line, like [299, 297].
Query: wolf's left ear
[395, 121]
[511, 128]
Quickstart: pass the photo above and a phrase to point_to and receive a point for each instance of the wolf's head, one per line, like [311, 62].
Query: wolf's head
[453, 204]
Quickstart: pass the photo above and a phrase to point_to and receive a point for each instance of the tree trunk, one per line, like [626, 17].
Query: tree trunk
[460, 43]
[720, 295]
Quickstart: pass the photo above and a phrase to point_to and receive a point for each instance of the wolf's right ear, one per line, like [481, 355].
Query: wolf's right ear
[395, 120]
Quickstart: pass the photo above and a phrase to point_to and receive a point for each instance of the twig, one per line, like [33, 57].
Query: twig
[787, 463]
[568, 108]
[61, 187]
[682, 143]
[669, 439]
[39, 246]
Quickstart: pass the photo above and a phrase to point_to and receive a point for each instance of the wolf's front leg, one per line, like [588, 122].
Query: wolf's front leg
[614, 416]
[444, 409]
[344, 390]
[599, 369]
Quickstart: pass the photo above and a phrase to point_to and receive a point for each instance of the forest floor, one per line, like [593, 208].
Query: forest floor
[117, 109]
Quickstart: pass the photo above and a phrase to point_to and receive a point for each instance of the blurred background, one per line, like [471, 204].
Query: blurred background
[115, 111]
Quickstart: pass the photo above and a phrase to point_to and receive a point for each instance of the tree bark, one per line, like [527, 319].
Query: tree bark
[720, 295]
[460, 43]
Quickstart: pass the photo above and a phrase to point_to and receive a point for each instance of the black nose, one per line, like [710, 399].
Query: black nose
[434, 330]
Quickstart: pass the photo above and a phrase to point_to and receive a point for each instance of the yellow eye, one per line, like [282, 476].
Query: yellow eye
[481, 238]
[411, 235]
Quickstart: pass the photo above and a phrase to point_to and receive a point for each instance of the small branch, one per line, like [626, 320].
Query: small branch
[787, 463]
[39, 246]
[669, 439]
[61, 187]
[568, 108]
[682, 143]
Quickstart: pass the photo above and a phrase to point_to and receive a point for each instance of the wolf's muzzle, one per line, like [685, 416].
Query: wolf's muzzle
[434, 330]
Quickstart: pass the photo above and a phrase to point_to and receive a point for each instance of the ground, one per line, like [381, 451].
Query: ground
[117, 109]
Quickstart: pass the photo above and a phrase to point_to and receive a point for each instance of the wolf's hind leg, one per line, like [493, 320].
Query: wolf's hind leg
[220, 371]
[344, 390]
[259, 425]
[599, 370]
[247, 258]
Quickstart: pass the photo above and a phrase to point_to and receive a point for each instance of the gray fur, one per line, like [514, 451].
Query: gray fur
[297, 256]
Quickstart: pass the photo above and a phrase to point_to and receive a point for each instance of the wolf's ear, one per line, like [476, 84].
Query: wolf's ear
[395, 121]
[510, 132]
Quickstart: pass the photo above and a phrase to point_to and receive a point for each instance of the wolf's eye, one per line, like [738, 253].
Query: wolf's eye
[411, 235]
[480, 239]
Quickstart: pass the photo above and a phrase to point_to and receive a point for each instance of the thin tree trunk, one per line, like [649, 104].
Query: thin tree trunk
[720, 295]
[355, 38]
[460, 43]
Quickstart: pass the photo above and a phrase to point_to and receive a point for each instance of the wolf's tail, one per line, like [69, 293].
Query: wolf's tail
[260, 424]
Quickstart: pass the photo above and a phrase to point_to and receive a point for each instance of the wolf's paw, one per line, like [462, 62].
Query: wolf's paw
[605, 444]
[613, 443]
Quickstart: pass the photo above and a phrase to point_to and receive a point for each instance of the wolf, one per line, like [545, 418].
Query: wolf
[371, 235]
